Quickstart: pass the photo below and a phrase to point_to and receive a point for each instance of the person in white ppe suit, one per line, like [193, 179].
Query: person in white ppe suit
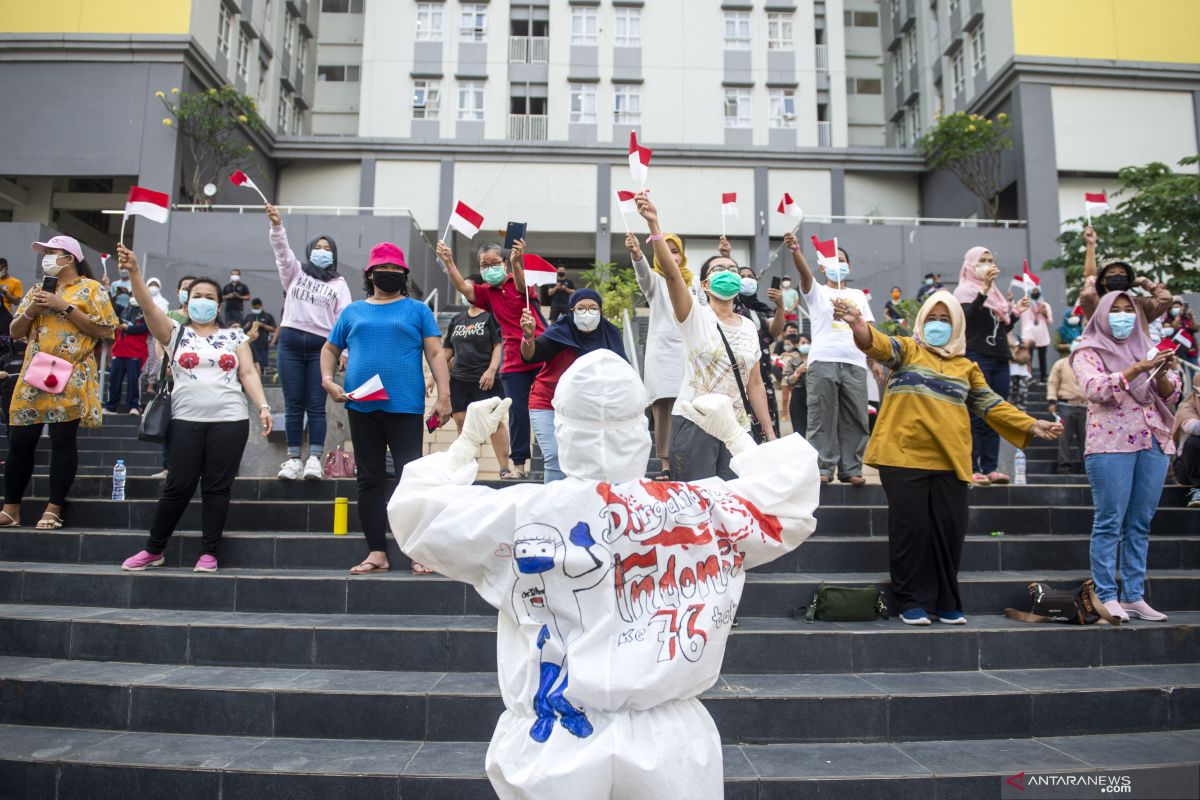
[616, 593]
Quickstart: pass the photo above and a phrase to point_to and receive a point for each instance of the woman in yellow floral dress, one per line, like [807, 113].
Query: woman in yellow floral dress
[69, 324]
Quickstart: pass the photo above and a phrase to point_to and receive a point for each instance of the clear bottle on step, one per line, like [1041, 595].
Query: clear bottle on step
[119, 480]
[1019, 468]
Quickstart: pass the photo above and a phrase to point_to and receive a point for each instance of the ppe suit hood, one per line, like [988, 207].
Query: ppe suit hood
[600, 420]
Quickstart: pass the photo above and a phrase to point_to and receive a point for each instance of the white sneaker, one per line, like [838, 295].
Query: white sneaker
[313, 471]
[290, 470]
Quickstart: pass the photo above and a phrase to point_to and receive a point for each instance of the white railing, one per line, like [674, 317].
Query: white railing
[528, 127]
[528, 49]
[822, 58]
[258, 209]
[824, 134]
[431, 300]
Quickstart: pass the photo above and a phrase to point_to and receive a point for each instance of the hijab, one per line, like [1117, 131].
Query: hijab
[687, 273]
[1067, 332]
[606, 337]
[970, 285]
[957, 346]
[326, 274]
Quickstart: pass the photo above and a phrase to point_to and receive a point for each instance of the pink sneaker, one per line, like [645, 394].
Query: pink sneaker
[1143, 610]
[206, 563]
[142, 560]
[1114, 608]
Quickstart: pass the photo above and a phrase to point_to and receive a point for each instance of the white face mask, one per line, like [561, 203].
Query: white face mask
[155, 291]
[50, 265]
[587, 320]
[235, 278]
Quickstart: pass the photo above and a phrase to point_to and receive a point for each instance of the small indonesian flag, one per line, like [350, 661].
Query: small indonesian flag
[104, 257]
[639, 160]
[867, 293]
[1030, 280]
[827, 251]
[369, 391]
[626, 202]
[1018, 282]
[1077, 311]
[788, 207]
[539, 271]
[729, 204]
[466, 220]
[239, 178]
[1096, 203]
[147, 203]
[1165, 344]
[1182, 338]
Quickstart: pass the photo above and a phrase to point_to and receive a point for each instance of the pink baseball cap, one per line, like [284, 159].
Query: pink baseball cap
[67, 243]
[386, 253]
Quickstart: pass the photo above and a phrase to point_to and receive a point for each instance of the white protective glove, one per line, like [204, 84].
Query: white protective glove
[482, 420]
[714, 414]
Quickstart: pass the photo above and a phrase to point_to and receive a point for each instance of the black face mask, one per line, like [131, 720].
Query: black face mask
[390, 282]
[1116, 283]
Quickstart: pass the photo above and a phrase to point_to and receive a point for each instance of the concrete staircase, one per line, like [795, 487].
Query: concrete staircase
[283, 676]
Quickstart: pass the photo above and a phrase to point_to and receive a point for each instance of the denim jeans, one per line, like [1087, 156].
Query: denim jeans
[542, 423]
[300, 375]
[124, 371]
[985, 442]
[516, 388]
[1125, 491]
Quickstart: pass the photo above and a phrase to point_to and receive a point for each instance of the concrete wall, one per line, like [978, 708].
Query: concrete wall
[320, 183]
[882, 194]
[1102, 130]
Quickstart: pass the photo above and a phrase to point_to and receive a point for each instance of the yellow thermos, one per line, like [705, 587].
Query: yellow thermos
[341, 515]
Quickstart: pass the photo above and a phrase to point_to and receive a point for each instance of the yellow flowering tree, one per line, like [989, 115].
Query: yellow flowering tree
[969, 146]
[214, 124]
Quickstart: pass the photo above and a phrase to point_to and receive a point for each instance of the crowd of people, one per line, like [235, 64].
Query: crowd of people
[924, 401]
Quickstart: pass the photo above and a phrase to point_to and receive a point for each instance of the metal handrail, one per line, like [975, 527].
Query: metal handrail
[431, 300]
[257, 208]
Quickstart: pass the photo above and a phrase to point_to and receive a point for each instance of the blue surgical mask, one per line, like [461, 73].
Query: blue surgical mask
[837, 274]
[1121, 323]
[320, 258]
[749, 286]
[201, 309]
[182, 298]
[804, 348]
[936, 334]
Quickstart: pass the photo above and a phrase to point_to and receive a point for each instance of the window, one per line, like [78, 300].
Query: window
[959, 77]
[268, 25]
[783, 108]
[427, 99]
[952, 6]
[737, 108]
[281, 119]
[583, 102]
[472, 26]
[297, 119]
[978, 55]
[429, 22]
[342, 6]
[584, 24]
[864, 86]
[895, 8]
[627, 27]
[862, 19]
[336, 73]
[470, 101]
[779, 31]
[301, 57]
[911, 40]
[898, 132]
[291, 29]
[737, 30]
[894, 58]
[261, 97]
[223, 26]
[243, 55]
[914, 112]
[627, 104]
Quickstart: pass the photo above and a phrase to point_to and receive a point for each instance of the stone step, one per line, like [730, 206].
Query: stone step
[461, 707]
[820, 553]
[72, 764]
[767, 594]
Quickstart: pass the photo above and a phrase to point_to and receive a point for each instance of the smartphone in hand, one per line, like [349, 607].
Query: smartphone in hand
[433, 423]
[776, 281]
[50, 284]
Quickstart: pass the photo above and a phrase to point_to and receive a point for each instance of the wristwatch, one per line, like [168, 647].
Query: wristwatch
[66, 312]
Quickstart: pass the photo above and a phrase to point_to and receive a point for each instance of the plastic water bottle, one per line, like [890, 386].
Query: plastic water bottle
[1019, 468]
[119, 480]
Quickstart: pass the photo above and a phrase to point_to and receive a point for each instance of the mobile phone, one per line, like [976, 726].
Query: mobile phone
[50, 284]
[776, 281]
[433, 423]
[516, 230]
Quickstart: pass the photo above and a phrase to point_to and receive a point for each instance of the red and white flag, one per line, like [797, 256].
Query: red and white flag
[626, 202]
[827, 251]
[466, 220]
[538, 271]
[1095, 203]
[1018, 282]
[639, 160]
[369, 391]
[867, 293]
[239, 178]
[788, 207]
[104, 257]
[1030, 280]
[729, 204]
[147, 203]
[1181, 337]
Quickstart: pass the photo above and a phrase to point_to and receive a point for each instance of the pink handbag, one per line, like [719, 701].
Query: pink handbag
[339, 464]
[48, 373]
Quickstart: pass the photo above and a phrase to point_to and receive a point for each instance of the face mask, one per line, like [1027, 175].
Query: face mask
[235, 278]
[895, 295]
[50, 265]
[494, 275]
[1175, 312]
[155, 291]
[787, 348]
[749, 286]
[201, 309]
[1168, 331]
[1121, 323]
[725, 285]
[1035, 295]
[124, 273]
[804, 348]
[837, 273]
[786, 284]
[562, 276]
[389, 282]
[587, 320]
[937, 334]
[1073, 320]
[929, 281]
[256, 311]
[183, 297]
[1116, 283]
[318, 258]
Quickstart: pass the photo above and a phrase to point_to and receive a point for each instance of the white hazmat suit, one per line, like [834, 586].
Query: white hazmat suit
[616, 593]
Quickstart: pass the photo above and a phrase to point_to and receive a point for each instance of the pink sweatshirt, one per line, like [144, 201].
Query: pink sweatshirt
[310, 305]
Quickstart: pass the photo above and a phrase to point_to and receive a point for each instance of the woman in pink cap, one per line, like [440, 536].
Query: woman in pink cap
[59, 384]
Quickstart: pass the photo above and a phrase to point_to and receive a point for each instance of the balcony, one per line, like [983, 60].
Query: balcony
[822, 58]
[528, 49]
[528, 127]
[824, 134]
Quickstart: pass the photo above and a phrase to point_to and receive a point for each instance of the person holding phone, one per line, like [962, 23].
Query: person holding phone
[388, 333]
[65, 319]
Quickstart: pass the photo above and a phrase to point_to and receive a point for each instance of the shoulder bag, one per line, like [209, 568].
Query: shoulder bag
[756, 429]
[844, 604]
[1078, 606]
[156, 416]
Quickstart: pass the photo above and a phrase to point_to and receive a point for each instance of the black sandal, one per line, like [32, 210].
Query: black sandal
[663, 476]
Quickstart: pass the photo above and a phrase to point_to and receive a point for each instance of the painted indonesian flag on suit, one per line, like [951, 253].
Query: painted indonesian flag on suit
[616, 594]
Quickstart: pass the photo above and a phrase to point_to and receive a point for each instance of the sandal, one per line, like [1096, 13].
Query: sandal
[49, 521]
[505, 474]
[12, 523]
[420, 569]
[368, 567]
[664, 476]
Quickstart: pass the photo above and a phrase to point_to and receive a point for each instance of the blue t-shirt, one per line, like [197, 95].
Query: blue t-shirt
[387, 340]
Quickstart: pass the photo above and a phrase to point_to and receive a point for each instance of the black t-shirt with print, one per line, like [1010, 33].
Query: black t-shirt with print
[234, 304]
[472, 339]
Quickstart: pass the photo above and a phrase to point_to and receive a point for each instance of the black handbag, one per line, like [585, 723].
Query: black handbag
[756, 429]
[156, 416]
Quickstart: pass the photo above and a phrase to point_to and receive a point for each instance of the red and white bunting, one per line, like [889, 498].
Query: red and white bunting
[639, 160]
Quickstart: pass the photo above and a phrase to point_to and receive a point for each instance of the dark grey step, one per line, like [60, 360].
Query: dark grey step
[79, 764]
[451, 707]
[105, 458]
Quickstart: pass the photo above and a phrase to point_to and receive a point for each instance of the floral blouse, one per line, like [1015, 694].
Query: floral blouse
[53, 333]
[1116, 422]
[205, 369]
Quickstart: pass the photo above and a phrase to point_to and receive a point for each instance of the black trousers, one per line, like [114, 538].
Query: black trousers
[22, 449]
[798, 408]
[927, 522]
[1074, 420]
[1041, 354]
[374, 433]
[204, 453]
[1187, 462]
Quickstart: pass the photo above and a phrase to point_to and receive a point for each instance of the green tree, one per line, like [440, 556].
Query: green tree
[214, 124]
[1155, 227]
[969, 146]
[617, 285]
[908, 316]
